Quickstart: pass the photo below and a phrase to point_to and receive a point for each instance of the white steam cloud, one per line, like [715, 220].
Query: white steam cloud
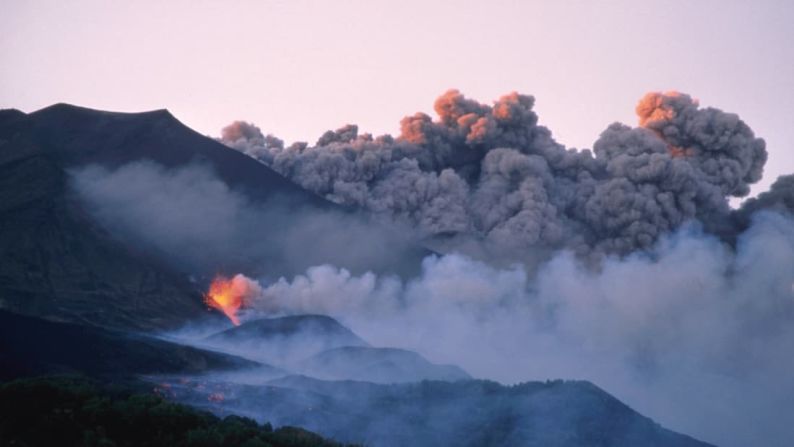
[691, 333]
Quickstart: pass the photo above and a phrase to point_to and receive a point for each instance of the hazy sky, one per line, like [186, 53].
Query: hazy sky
[297, 68]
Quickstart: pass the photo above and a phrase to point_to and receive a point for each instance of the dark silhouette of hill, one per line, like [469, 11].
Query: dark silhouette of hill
[81, 136]
[285, 339]
[77, 411]
[55, 261]
[321, 326]
[432, 413]
[378, 365]
[32, 346]
[58, 261]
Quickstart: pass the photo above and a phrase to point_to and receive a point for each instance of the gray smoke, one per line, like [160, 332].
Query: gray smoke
[780, 197]
[491, 173]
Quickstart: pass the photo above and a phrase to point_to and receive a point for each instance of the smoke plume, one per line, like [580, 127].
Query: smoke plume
[492, 173]
[692, 332]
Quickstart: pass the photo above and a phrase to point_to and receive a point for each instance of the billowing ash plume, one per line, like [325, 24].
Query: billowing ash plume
[249, 139]
[491, 172]
[780, 197]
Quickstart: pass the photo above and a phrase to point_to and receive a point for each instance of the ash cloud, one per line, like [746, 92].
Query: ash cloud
[492, 173]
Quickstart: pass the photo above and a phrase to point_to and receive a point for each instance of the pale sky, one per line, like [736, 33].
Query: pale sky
[298, 68]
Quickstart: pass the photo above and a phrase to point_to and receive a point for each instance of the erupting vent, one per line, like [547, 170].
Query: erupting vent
[226, 296]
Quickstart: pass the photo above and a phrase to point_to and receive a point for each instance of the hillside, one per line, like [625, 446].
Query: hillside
[58, 260]
[55, 261]
[77, 411]
[431, 413]
[378, 365]
[32, 346]
[284, 339]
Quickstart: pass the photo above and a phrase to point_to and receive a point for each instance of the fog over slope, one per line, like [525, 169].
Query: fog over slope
[688, 323]
[624, 265]
[692, 333]
[203, 225]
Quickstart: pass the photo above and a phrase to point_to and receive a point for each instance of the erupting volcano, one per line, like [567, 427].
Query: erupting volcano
[227, 295]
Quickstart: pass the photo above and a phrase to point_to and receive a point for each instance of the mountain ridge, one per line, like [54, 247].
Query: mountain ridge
[100, 277]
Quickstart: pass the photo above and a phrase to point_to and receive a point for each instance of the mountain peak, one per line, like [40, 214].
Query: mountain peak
[64, 107]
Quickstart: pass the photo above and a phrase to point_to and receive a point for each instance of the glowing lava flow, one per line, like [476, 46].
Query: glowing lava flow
[226, 297]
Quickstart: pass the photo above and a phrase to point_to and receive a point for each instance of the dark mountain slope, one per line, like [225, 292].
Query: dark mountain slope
[32, 346]
[285, 339]
[72, 411]
[466, 413]
[320, 326]
[82, 136]
[57, 260]
[378, 365]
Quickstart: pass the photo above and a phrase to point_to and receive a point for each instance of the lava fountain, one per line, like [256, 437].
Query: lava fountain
[227, 295]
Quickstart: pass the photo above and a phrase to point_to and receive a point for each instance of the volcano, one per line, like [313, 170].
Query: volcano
[80, 296]
[57, 261]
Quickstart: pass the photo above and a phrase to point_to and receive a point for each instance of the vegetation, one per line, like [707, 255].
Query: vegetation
[74, 411]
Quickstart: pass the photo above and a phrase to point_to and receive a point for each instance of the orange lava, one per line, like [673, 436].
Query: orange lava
[224, 296]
